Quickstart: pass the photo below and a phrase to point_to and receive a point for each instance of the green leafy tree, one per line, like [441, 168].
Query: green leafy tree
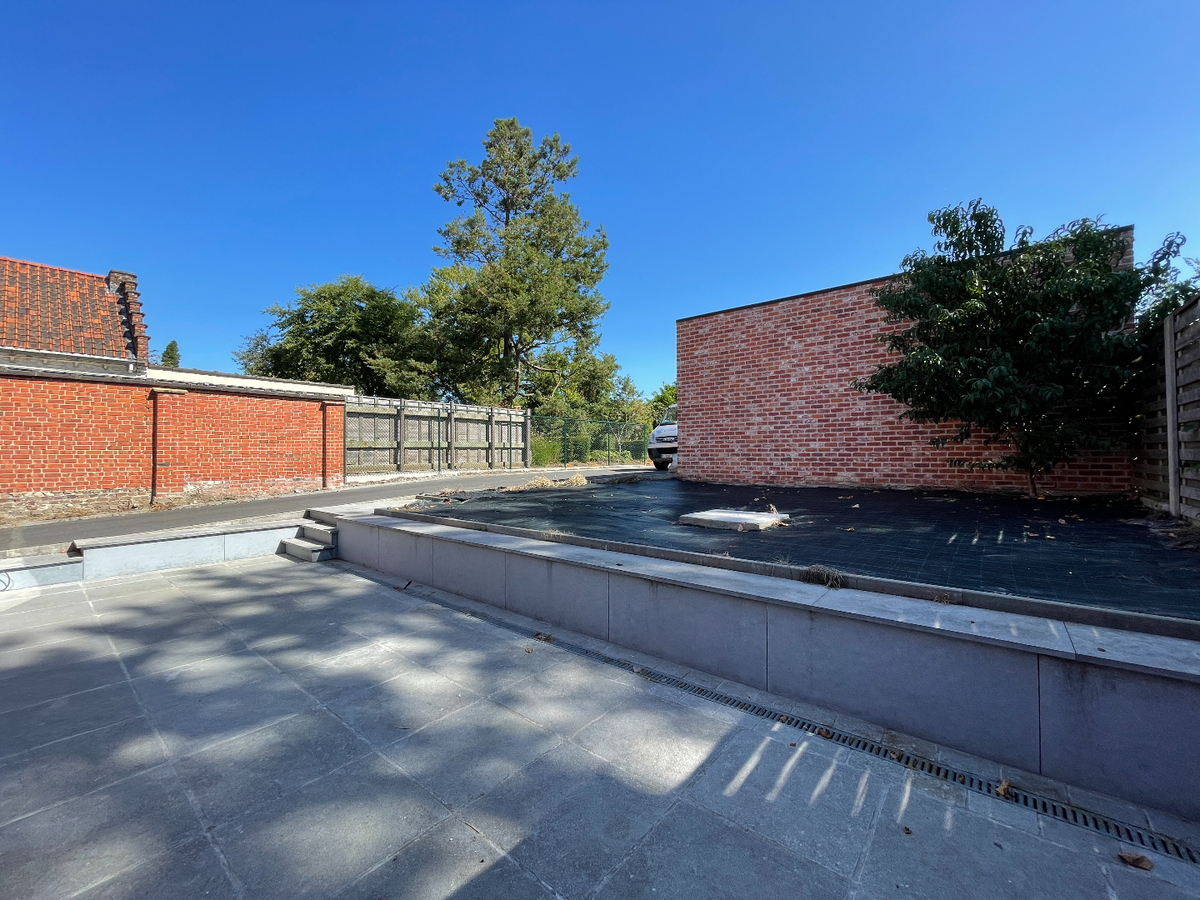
[1028, 346]
[661, 399]
[170, 355]
[344, 332]
[524, 269]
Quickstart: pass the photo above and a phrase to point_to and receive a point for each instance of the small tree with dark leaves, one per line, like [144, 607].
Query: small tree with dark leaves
[1027, 346]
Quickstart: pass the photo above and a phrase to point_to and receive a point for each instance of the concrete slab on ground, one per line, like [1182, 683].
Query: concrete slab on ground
[734, 519]
[265, 728]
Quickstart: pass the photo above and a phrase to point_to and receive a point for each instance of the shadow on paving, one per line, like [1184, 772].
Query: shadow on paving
[1095, 551]
[270, 729]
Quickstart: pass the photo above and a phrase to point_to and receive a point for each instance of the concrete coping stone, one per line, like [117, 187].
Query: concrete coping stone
[1104, 617]
[1151, 654]
[179, 534]
[1026, 633]
[43, 561]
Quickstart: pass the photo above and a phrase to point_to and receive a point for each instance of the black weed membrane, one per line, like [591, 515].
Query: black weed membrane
[1108, 552]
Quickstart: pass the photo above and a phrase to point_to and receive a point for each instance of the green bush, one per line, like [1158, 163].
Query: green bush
[545, 450]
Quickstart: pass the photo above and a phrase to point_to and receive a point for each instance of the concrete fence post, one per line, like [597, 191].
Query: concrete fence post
[527, 450]
[1172, 398]
[401, 428]
[491, 437]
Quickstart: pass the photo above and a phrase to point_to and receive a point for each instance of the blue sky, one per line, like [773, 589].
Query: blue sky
[733, 152]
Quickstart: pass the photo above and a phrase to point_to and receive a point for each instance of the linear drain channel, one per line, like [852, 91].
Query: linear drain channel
[1072, 815]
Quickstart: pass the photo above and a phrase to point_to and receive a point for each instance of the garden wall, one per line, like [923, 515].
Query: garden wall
[766, 397]
[76, 445]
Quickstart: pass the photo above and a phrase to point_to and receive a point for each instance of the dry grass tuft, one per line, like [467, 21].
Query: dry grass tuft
[541, 481]
[825, 576]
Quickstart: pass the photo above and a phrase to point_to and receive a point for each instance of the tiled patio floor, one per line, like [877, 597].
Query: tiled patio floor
[273, 729]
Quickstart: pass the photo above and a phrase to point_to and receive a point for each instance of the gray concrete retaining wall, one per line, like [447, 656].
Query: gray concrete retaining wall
[1108, 710]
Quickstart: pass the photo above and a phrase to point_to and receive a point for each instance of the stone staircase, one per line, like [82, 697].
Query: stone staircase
[317, 540]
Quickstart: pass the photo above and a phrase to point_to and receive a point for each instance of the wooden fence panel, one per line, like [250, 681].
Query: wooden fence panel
[385, 435]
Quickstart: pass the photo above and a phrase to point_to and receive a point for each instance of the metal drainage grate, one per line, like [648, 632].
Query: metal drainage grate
[1072, 815]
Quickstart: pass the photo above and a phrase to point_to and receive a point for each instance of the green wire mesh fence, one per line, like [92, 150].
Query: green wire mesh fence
[560, 441]
[383, 436]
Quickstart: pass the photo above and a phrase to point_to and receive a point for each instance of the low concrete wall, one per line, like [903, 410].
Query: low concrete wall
[1109, 710]
[135, 553]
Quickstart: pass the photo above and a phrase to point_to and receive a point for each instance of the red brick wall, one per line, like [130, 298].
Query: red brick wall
[765, 397]
[99, 445]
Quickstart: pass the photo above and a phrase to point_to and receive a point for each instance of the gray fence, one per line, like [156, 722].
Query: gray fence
[1169, 470]
[385, 435]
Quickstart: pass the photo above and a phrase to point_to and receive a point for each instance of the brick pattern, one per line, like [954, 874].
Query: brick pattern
[65, 440]
[765, 397]
[47, 308]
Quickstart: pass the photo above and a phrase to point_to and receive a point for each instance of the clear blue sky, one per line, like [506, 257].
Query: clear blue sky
[733, 152]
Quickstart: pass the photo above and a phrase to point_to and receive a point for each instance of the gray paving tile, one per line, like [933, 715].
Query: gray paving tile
[563, 698]
[44, 683]
[392, 710]
[295, 651]
[350, 672]
[200, 721]
[1134, 884]
[319, 839]
[496, 662]
[201, 678]
[949, 852]
[695, 855]
[574, 846]
[450, 861]
[64, 618]
[149, 659]
[37, 778]
[35, 600]
[819, 804]
[237, 775]
[33, 726]
[75, 845]
[467, 752]
[16, 659]
[510, 812]
[659, 741]
[185, 873]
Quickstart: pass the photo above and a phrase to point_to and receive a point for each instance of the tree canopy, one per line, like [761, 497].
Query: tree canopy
[344, 332]
[520, 293]
[170, 355]
[1028, 346]
[511, 319]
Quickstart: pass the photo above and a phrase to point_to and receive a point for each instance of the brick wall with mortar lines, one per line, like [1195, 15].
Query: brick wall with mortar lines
[765, 397]
[228, 443]
[89, 446]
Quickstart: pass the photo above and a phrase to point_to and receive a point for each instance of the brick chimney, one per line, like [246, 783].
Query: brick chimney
[124, 284]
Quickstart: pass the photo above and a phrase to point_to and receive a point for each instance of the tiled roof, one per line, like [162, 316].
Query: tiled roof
[46, 308]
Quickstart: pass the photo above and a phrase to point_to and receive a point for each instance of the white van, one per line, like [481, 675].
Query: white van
[664, 439]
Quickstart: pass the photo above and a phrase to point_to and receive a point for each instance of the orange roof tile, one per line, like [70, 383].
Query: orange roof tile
[47, 308]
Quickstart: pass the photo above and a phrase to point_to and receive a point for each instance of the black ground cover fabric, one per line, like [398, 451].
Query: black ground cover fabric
[1100, 552]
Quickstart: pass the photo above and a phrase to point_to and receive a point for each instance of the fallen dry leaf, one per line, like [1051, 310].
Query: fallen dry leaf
[849, 529]
[907, 830]
[528, 649]
[1004, 789]
[1136, 860]
[855, 506]
[1062, 521]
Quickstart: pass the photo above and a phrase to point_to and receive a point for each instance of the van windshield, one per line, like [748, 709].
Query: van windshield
[668, 417]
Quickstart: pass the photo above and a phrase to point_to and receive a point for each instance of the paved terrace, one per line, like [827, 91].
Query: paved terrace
[273, 729]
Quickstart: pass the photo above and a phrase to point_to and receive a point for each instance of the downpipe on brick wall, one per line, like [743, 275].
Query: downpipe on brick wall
[154, 392]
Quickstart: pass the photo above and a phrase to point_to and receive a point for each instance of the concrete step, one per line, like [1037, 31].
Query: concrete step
[325, 517]
[306, 550]
[321, 534]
